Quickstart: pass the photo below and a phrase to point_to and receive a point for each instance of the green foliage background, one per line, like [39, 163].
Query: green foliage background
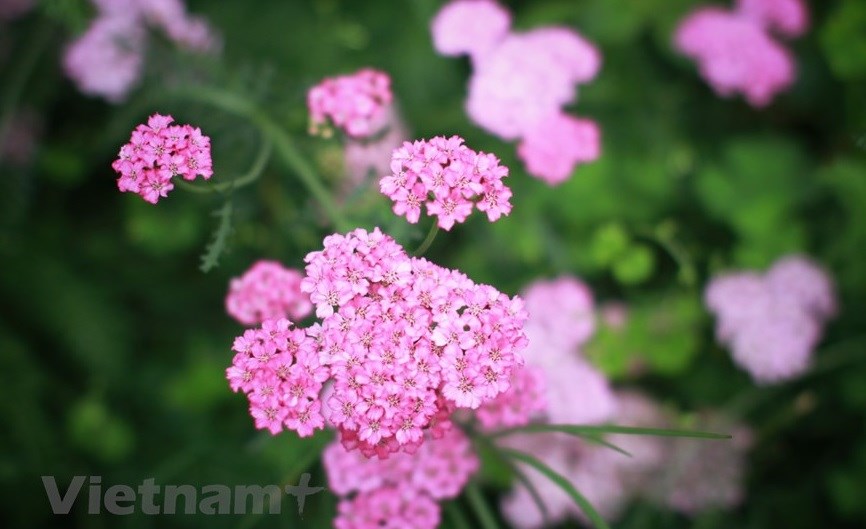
[113, 344]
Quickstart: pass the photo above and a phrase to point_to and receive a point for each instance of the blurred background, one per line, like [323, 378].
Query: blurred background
[114, 344]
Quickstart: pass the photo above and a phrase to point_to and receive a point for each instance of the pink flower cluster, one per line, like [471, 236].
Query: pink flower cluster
[403, 341]
[701, 476]
[521, 82]
[366, 159]
[561, 319]
[278, 368]
[400, 491]
[448, 178]
[267, 291]
[606, 478]
[773, 321]
[735, 51]
[357, 104]
[159, 151]
[108, 59]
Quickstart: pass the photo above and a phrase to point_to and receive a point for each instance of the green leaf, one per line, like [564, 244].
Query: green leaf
[844, 40]
[562, 483]
[635, 266]
[608, 243]
[573, 429]
[210, 258]
[482, 509]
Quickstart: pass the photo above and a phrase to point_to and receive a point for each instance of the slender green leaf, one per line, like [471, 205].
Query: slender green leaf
[455, 514]
[481, 508]
[533, 492]
[562, 483]
[582, 430]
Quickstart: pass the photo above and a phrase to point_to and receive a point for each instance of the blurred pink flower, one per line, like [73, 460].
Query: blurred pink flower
[563, 308]
[789, 18]
[108, 59]
[606, 478]
[267, 291]
[472, 27]
[772, 322]
[368, 159]
[520, 83]
[735, 54]
[702, 475]
[527, 79]
[358, 104]
[438, 470]
[553, 147]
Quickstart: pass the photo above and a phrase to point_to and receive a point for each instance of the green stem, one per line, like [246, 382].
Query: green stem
[482, 510]
[434, 230]
[249, 177]
[282, 142]
[456, 515]
[665, 240]
[19, 77]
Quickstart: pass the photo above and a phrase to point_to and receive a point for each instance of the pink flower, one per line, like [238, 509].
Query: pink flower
[772, 322]
[735, 54]
[108, 59]
[402, 343]
[789, 18]
[563, 308]
[471, 27]
[368, 158]
[701, 476]
[552, 148]
[279, 370]
[520, 84]
[438, 470]
[388, 508]
[267, 291]
[606, 478]
[801, 282]
[448, 178]
[156, 153]
[358, 104]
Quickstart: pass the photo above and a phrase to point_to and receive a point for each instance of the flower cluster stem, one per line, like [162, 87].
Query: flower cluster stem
[284, 148]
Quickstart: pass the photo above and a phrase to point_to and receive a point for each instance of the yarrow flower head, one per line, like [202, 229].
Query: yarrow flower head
[735, 51]
[528, 78]
[267, 291]
[437, 471]
[159, 151]
[552, 148]
[521, 81]
[448, 179]
[608, 479]
[561, 318]
[471, 27]
[278, 368]
[789, 18]
[704, 476]
[108, 59]
[357, 104]
[772, 322]
[404, 342]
